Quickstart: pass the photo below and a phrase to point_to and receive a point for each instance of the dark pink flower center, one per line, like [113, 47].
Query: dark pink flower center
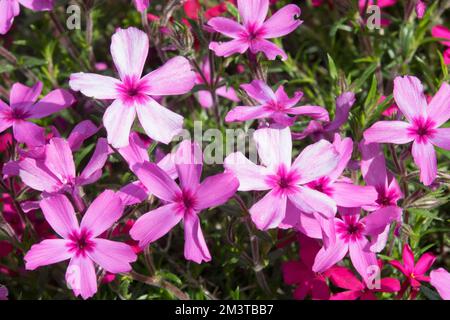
[422, 129]
[186, 200]
[284, 181]
[81, 242]
[322, 185]
[350, 229]
[132, 90]
[253, 32]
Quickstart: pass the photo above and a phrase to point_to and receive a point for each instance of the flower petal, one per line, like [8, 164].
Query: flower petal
[250, 175]
[37, 176]
[409, 96]
[441, 138]
[94, 85]
[81, 277]
[282, 22]
[271, 50]
[216, 190]
[133, 193]
[364, 261]
[8, 10]
[226, 49]
[311, 201]
[53, 102]
[195, 248]
[47, 252]
[351, 196]
[227, 27]
[424, 263]
[268, 212]
[328, 257]
[93, 169]
[59, 159]
[82, 131]
[59, 213]
[29, 133]
[388, 132]
[114, 257]
[259, 91]
[247, 113]
[439, 107]
[23, 97]
[274, 146]
[189, 164]
[253, 12]
[440, 279]
[118, 119]
[425, 158]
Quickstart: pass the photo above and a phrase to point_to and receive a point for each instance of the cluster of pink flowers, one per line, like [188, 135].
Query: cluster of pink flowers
[334, 214]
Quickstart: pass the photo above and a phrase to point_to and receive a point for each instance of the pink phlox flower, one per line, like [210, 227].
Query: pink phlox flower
[344, 278]
[23, 106]
[141, 5]
[81, 242]
[204, 97]
[349, 234]
[255, 29]
[133, 93]
[183, 201]
[440, 279]
[276, 106]
[300, 274]
[9, 9]
[414, 272]
[285, 181]
[422, 126]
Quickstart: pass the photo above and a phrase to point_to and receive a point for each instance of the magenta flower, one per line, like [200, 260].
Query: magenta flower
[204, 97]
[3, 293]
[287, 182]
[254, 31]
[414, 273]
[421, 8]
[343, 278]
[299, 273]
[442, 32]
[23, 107]
[349, 235]
[80, 243]
[375, 173]
[440, 279]
[181, 202]
[11, 8]
[422, 127]
[276, 106]
[141, 5]
[132, 93]
[56, 172]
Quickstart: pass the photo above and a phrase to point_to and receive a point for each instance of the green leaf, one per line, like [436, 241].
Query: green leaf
[332, 67]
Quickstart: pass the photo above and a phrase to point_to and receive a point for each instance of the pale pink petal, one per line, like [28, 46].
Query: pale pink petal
[311, 201]
[409, 96]
[425, 158]
[167, 163]
[351, 196]
[38, 5]
[59, 213]
[136, 151]
[118, 119]
[94, 85]
[157, 181]
[216, 190]
[82, 131]
[37, 176]
[440, 279]
[283, 99]
[159, 123]
[173, 78]
[328, 257]
[345, 149]
[189, 164]
[373, 164]
[5, 116]
[316, 160]
[271, 50]
[362, 258]
[23, 97]
[274, 146]
[253, 12]
[8, 10]
[441, 138]
[129, 49]
[282, 22]
[53, 102]
[141, 5]
[439, 107]
[248, 113]
[227, 27]
[250, 175]
[377, 221]
[259, 91]
[269, 212]
[81, 277]
[106, 209]
[133, 193]
[344, 103]
[93, 169]
[29, 133]
[424, 263]
[114, 257]
[195, 248]
[155, 224]
[315, 112]
[379, 241]
[228, 93]
[388, 132]
[47, 252]
[226, 49]
[204, 98]
[59, 159]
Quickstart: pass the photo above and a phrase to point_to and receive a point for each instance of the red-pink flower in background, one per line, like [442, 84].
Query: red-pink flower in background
[442, 32]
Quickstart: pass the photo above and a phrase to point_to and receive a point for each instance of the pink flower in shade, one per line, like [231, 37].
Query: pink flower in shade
[343, 278]
[80, 243]
[348, 234]
[254, 31]
[422, 127]
[421, 8]
[414, 273]
[132, 93]
[276, 106]
[23, 107]
[375, 173]
[204, 97]
[182, 202]
[442, 32]
[317, 130]
[11, 8]
[3, 293]
[141, 5]
[299, 273]
[440, 279]
[337, 187]
[286, 182]
[380, 4]
[56, 172]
